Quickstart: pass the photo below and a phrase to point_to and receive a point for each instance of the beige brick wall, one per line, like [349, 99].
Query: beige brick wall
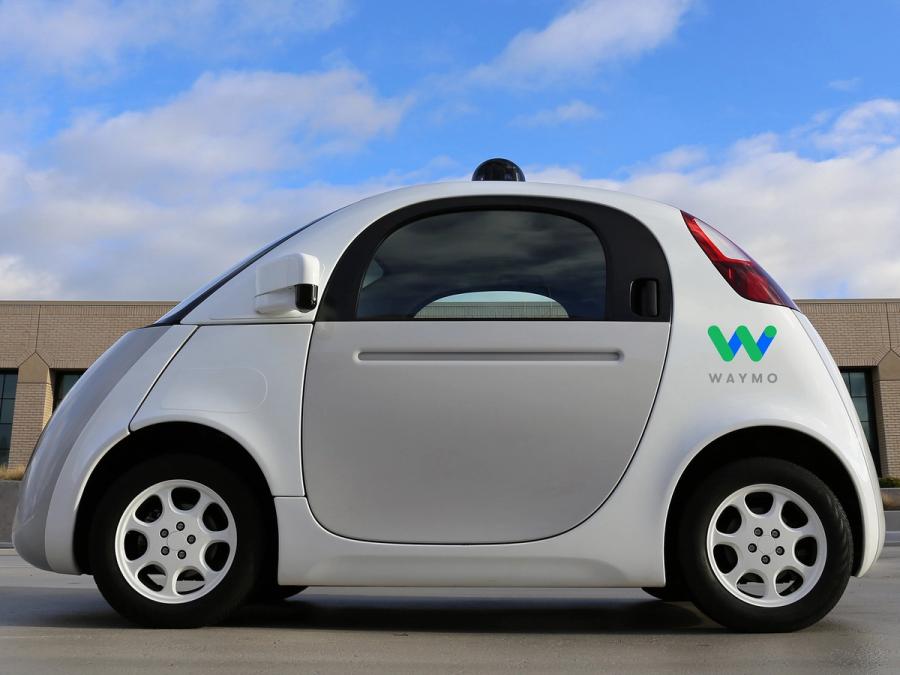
[890, 393]
[857, 333]
[34, 404]
[866, 334]
[39, 338]
[18, 333]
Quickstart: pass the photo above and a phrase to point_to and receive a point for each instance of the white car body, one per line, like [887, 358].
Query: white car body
[563, 519]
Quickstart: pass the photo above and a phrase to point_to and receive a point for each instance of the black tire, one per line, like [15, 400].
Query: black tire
[713, 598]
[234, 587]
[669, 593]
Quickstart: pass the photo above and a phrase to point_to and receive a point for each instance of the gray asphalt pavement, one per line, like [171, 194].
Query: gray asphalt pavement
[58, 624]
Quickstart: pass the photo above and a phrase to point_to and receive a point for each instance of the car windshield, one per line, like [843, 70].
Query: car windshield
[183, 308]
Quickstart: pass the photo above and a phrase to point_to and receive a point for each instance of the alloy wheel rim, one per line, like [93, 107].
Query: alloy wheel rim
[766, 545]
[175, 541]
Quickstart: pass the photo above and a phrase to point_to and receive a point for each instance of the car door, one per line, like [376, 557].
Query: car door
[482, 369]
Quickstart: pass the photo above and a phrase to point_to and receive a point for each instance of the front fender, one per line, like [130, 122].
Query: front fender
[247, 382]
[91, 420]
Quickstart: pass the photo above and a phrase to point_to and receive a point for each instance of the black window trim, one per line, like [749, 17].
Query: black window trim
[615, 229]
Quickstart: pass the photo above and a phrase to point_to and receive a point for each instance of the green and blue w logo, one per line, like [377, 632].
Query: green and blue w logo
[755, 349]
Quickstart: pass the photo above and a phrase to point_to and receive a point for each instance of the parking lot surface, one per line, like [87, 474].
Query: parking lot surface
[60, 624]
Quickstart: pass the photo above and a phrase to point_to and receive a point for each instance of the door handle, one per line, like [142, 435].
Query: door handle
[645, 297]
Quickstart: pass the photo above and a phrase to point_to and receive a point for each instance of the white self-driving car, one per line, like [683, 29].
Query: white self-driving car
[490, 383]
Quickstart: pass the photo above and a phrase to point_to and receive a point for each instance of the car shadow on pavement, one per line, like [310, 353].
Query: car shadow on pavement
[472, 614]
[86, 609]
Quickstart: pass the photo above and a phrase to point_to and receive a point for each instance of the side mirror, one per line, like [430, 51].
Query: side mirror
[288, 284]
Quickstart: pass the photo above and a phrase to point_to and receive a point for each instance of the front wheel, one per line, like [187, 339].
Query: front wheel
[765, 546]
[176, 542]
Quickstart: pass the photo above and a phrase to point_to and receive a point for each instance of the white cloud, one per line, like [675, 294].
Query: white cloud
[824, 227]
[148, 204]
[577, 42]
[227, 125]
[573, 111]
[88, 37]
[97, 244]
[873, 123]
[17, 280]
[678, 159]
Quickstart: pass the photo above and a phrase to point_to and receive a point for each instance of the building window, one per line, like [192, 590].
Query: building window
[65, 380]
[859, 384]
[8, 381]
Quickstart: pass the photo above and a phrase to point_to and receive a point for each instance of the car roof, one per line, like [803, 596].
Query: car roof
[404, 196]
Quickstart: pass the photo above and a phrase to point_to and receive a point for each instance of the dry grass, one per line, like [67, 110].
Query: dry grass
[14, 473]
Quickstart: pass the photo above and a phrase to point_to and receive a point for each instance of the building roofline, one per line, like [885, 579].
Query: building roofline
[844, 301]
[88, 302]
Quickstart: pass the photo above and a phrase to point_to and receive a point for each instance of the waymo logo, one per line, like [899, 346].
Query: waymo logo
[755, 349]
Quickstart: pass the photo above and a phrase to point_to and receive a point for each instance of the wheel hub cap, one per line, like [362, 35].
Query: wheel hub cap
[175, 541]
[766, 545]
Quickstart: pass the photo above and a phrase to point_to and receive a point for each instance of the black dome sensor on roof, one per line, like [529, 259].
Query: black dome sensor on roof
[499, 169]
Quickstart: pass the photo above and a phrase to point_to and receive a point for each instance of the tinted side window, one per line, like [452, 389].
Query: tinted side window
[487, 264]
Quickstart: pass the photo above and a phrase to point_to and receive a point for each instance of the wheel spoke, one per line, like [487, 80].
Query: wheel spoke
[199, 560]
[771, 588]
[226, 536]
[806, 531]
[138, 525]
[200, 507]
[734, 576]
[778, 502]
[729, 539]
[165, 495]
[139, 563]
[171, 588]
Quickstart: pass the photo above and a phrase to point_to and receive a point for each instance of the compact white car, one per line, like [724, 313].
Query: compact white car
[494, 383]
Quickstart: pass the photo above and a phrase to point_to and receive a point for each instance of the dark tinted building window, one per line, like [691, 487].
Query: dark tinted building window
[494, 264]
[8, 381]
[859, 384]
[65, 380]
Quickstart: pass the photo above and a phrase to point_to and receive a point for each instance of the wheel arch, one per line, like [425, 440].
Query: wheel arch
[766, 441]
[185, 437]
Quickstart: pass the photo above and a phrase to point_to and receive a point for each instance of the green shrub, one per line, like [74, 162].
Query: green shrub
[889, 482]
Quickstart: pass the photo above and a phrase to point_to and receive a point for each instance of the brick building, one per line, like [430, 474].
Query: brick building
[45, 346]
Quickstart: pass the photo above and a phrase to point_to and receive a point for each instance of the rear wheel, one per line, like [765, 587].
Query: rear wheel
[176, 542]
[765, 546]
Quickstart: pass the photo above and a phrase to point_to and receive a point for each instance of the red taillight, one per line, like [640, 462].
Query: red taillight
[741, 271]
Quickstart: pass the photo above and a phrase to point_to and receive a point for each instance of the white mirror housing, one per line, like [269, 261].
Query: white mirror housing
[287, 284]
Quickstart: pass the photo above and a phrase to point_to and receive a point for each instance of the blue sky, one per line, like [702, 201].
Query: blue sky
[133, 135]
